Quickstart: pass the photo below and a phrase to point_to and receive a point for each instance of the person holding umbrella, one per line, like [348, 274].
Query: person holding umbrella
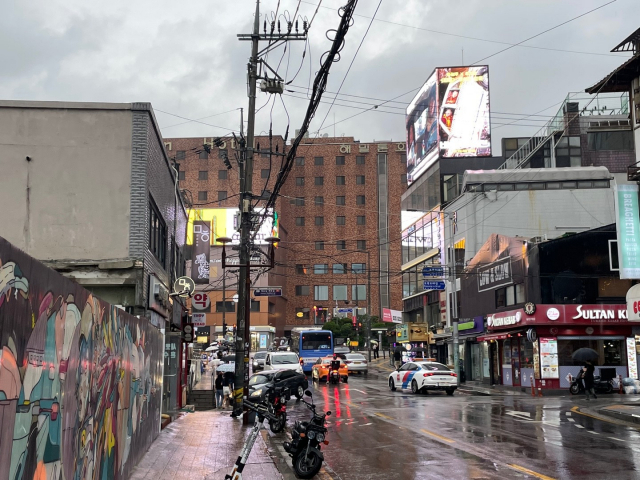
[588, 379]
[588, 356]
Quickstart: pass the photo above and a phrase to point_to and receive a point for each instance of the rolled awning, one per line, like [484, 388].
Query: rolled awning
[497, 336]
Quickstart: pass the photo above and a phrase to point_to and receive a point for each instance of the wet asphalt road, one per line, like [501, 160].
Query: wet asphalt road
[378, 434]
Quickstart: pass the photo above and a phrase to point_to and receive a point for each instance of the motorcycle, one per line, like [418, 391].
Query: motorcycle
[599, 385]
[334, 373]
[277, 399]
[306, 438]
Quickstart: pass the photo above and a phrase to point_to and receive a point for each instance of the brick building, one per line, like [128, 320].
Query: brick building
[339, 224]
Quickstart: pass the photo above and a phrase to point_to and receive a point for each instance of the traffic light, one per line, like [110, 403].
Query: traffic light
[225, 159]
[187, 333]
[359, 324]
[207, 148]
[224, 330]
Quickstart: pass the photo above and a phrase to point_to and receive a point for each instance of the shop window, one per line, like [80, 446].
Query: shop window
[526, 353]
[610, 352]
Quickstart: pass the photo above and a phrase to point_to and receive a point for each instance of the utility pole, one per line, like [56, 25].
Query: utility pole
[224, 303]
[369, 303]
[453, 311]
[272, 85]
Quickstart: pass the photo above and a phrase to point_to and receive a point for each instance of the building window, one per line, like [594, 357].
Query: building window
[340, 180]
[362, 245]
[299, 161]
[339, 268]
[181, 175]
[359, 159]
[180, 155]
[501, 297]
[358, 268]
[223, 174]
[300, 181]
[203, 154]
[360, 200]
[319, 181]
[302, 290]
[230, 306]
[305, 313]
[319, 221]
[299, 201]
[340, 160]
[319, 201]
[403, 158]
[157, 233]
[321, 292]
[264, 173]
[300, 221]
[339, 292]
[203, 175]
[301, 269]
[358, 292]
[360, 220]
[341, 245]
[403, 179]
[202, 196]
[320, 269]
[318, 160]
[319, 245]
[341, 220]
[222, 195]
[341, 200]
[255, 306]
[359, 179]
[620, 140]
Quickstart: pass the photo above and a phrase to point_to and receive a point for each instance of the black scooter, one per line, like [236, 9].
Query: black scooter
[306, 438]
[599, 385]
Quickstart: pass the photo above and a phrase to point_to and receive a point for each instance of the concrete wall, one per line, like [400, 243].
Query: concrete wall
[529, 213]
[80, 381]
[71, 201]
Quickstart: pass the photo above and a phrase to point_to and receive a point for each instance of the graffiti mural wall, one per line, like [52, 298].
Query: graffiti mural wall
[80, 380]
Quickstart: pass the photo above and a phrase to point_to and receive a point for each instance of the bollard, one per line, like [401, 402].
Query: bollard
[533, 387]
[620, 390]
[540, 389]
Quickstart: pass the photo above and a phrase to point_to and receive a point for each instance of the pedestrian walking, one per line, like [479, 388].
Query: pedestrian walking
[226, 389]
[588, 379]
[375, 350]
[397, 358]
[219, 390]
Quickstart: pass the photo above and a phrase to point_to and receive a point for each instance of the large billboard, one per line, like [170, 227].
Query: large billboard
[224, 223]
[463, 114]
[448, 118]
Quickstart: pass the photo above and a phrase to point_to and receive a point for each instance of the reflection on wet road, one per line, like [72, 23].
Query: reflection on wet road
[378, 434]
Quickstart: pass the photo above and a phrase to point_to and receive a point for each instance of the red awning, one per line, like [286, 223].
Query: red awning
[497, 336]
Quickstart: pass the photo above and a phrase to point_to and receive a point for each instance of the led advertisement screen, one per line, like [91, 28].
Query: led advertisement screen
[422, 130]
[464, 127]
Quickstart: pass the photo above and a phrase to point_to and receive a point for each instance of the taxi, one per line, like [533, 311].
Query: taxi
[320, 369]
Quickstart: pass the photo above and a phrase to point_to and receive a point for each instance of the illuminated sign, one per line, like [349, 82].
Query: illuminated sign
[448, 118]
[464, 128]
[224, 223]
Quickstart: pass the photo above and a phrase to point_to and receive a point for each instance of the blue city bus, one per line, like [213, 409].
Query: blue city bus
[310, 344]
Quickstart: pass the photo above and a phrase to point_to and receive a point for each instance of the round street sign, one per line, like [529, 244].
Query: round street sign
[187, 328]
[184, 284]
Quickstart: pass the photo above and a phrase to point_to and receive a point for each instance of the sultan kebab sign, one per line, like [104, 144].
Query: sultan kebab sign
[559, 315]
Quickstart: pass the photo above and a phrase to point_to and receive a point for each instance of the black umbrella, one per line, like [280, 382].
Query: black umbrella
[229, 358]
[585, 355]
[419, 349]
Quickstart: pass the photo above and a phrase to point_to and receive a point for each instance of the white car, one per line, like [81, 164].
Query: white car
[282, 361]
[356, 362]
[423, 376]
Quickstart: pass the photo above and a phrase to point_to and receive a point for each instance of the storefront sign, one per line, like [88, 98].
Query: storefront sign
[391, 316]
[494, 275]
[474, 326]
[199, 319]
[201, 251]
[402, 333]
[560, 315]
[267, 292]
[536, 360]
[633, 304]
[549, 358]
[632, 361]
[628, 229]
[201, 302]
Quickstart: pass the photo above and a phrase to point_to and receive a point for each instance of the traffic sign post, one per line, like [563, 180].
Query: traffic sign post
[267, 292]
[433, 272]
[187, 333]
[434, 285]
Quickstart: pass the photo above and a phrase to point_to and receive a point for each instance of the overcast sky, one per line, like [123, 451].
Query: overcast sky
[185, 59]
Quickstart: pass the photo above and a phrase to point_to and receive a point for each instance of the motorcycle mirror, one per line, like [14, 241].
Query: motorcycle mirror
[329, 413]
[308, 393]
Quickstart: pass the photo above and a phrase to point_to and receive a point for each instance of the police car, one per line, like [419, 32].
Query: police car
[423, 376]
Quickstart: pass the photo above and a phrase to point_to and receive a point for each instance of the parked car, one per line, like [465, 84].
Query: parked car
[320, 369]
[356, 362]
[258, 361]
[259, 383]
[282, 361]
[423, 376]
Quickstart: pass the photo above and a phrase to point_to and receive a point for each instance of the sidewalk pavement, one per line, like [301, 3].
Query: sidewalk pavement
[204, 445]
[625, 412]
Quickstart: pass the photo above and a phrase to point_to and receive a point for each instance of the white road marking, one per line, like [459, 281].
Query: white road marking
[358, 390]
[579, 426]
[591, 431]
[568, 414]
[366, 424]
[618, 439]
[571, 419]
